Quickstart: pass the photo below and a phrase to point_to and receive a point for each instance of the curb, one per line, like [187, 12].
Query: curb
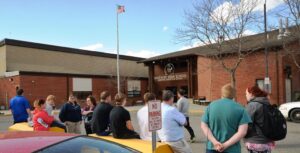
[3, 114]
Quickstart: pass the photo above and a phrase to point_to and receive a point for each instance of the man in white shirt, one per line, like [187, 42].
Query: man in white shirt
[172, 131]
[183, 107]
[142, 116]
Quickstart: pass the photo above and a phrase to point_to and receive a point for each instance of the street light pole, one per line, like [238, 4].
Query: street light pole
[267, 79]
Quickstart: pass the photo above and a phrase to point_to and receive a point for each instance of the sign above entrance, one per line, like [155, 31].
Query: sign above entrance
[172, 77]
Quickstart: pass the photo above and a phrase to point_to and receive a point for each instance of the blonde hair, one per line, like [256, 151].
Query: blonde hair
[50, 97]
[228, 91]
[119, 98]
[149, 96]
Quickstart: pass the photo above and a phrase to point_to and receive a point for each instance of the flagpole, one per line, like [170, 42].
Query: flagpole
[118, 66]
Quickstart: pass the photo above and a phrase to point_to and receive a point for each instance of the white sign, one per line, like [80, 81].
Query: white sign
[267, 80]
[172, 77]
[154, 114]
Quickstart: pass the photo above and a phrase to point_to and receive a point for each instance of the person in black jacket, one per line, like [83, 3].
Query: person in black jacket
[255, 139]
[70, 114]
[100, 120]
[120, 121]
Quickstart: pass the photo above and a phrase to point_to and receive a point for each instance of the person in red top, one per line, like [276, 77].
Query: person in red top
[41, 120]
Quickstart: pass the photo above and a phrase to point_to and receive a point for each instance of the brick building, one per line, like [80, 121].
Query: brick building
[42, 69]
[196, 71]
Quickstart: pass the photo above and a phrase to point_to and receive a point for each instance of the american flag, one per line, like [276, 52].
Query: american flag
[120, 8]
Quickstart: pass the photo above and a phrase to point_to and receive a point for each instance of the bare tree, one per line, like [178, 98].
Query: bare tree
[290, 35]
[220, 25]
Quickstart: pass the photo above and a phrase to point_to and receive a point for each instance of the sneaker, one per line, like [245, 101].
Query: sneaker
[192, 140]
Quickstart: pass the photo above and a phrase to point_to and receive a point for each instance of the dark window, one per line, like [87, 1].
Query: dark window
[86, 145]
[134, 93]
[133, 88]
[82, 95]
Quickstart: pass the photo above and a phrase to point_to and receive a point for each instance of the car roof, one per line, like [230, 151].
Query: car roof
[26, 141]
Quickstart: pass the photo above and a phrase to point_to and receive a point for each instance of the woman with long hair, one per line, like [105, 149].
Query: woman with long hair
[255, 140]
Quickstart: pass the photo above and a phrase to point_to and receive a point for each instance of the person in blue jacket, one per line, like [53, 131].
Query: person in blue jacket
[70, 114]
[20, 107]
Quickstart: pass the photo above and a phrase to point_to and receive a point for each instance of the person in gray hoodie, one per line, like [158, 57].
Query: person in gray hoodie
[183, 107]
[255, 140]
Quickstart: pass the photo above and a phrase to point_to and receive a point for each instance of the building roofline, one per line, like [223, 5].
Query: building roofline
[205, 50]
[15, 73]
[35, 45]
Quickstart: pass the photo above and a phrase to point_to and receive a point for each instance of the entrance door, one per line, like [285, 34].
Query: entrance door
[174, 90]
[288, 90]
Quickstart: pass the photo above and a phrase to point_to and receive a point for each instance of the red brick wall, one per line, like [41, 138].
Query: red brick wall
[204, 78]
[40, 86]
[8, 89]
[251, 68]
[36, 87]
[101, 84]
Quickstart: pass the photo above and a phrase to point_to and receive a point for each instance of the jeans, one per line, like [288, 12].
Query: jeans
[20, 121]
[104, 133]
[213, 151]
[128, 135]
[252, 151]
[189, 128]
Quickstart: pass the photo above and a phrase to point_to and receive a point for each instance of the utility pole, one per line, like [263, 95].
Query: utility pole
[267, 79]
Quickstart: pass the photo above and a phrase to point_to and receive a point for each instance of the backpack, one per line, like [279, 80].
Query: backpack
[274, 126]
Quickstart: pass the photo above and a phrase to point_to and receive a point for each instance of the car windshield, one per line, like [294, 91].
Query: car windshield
[85, 144]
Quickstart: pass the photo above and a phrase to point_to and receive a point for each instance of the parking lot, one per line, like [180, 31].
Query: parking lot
[289, 145]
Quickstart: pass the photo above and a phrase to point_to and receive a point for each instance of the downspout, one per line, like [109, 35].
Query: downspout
[277, 77]
[68, 87]
[210, 81]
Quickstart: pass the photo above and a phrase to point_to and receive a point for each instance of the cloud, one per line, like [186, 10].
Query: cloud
[271, 4]
[227, 12]
[195, 44]
[165, 28]
[94, 47]
[223, 13]
[249, 32]
[142, 53]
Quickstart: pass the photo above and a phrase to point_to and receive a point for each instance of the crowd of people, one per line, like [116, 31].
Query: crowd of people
[224, 123]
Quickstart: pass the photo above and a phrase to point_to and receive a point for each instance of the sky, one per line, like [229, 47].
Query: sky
[146, 28]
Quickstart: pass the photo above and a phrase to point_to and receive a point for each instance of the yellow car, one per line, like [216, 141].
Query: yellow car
[135, 144]
[138, 144]
[25, 127]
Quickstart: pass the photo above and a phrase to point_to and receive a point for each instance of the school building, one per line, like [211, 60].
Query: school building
[42, 69]
[199, 72]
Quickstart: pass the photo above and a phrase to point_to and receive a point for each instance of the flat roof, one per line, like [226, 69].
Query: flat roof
[48, 47]
[251, 43]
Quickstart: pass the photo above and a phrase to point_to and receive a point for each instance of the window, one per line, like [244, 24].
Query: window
[82, 87]
[85, 144]
[261, 84]
[133, 88]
